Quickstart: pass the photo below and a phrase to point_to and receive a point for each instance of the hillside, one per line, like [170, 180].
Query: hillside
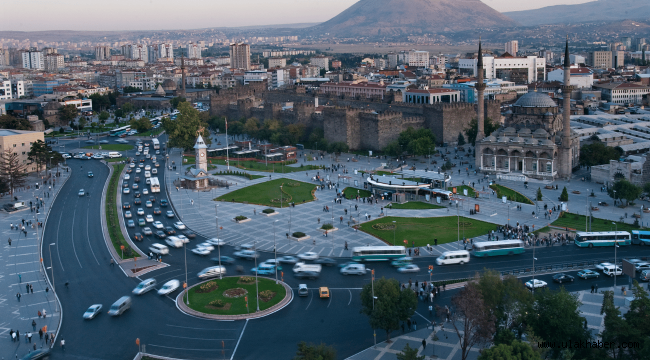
[609, 10]
[404, 17]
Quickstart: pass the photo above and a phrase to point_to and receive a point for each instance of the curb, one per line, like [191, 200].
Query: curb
[180, 305]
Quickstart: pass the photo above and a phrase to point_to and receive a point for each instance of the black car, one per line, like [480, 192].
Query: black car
[326, 261]
[137, 194]
[224, 260]
[137, 201]
[126, 205]
[156, 211]
[37, 354]
[163, 203]
[189, 233]
[136, 179]
[307, 275]
[170, 230]
[561, 278]
[137, 237]
[152, 199]
[160, 234]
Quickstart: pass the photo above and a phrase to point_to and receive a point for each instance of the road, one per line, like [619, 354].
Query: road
[81, 258]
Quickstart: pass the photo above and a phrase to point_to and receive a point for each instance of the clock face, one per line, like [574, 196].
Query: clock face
[202, 154]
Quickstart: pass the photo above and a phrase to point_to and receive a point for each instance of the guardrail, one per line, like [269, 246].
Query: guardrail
[572, 266]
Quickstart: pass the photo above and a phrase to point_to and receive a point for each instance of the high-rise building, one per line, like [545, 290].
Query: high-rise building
[5, 89]
[135, 52]
[193, 51]
[600, 59]
[158, 51]
[33, 59]
[392, 60]
[240, 56]
[54, 62]
[323, 62]
[627, 41]
[48, 50]
[512, 47]
[102, 52]
[639, 43]
[418, 58]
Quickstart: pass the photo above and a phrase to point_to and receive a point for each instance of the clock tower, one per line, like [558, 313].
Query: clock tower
[201, 154]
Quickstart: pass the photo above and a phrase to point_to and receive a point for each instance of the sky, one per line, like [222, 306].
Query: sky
[39, 15]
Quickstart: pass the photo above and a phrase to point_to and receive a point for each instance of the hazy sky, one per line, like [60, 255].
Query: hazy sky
[34, 15]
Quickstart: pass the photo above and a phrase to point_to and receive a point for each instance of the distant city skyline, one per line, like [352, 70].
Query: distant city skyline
[40, 15]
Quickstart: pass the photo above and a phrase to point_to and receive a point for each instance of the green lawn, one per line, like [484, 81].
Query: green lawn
[415, 205]
[424, 230]
[112, 147]
[110, 160]
[386, 173]
[112, 213]
[268, 193]
[199, 301]
[511, 194]
[574, 221]
[151, 132]
[240, 173]
[351, 193]
[470, 190]
[257, 166]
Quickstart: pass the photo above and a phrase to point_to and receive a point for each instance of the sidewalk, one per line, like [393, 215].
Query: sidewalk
[21, 267]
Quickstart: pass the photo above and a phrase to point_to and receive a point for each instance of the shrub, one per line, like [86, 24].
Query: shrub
[217, 303]
[268, 211]
[298, 234]
[565, 195]
[240, 218]
[246, 279]
[208, 285]
[327, 227]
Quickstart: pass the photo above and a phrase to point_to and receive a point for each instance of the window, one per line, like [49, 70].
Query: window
[14, 145]
[23, 144]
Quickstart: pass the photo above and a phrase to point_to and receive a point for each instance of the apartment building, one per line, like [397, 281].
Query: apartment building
[193, 51]
[600, 59]
[512, 47]
[520, 70]
[240, 56]
[277, 62]
[54, 62]
[623, 93]
[418, 58]
[102, 52]
[5, 90]
[33, 60]
[20, 142]
[322, 62]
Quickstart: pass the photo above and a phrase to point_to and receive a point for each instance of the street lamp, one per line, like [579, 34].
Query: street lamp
[394, 229]
[587, 211]
[257, 291]
[458, 225]
[56, 306]
[275, 251]
[615, 246]
[280, 196]
[374, 332]
[216, 210]
[186, 285]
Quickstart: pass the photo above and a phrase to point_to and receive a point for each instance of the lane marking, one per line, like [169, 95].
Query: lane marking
[72, 238]
[330, 303]
[88, 237]
[175, 348]
[191, 338]
[310, 299]
[350, 297]
[57, 241]
[237, 345]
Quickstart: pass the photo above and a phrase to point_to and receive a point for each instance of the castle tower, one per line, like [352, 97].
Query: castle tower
[566, 158]
[200, 150]
[480, 89]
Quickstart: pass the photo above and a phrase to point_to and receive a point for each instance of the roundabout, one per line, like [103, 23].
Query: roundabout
[233, 298]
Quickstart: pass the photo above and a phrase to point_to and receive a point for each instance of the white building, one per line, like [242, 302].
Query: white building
[493, 87]
[19, 88]
[520, 70]
[255, 76]
[159, 51]
[430, 96]
[135, 51]
[33, 60]
[54, 62]
[5, 90]
[277, 62]
[418, 58]
[193, 51]
[102, 52]
[581, 77]
[623, 93]
[322, 62]
[276, 78]
[512, 47]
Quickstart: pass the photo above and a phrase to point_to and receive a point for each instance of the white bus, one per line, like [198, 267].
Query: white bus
[156, 144]
[604, 238]
[377, 253]
[155, 185]
[501, 247]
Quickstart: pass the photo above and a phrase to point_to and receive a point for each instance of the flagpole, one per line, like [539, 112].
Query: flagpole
[227, 161]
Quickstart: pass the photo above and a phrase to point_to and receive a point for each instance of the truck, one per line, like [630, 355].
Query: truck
[302, 267]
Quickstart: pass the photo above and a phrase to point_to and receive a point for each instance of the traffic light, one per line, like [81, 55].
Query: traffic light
[430, 267]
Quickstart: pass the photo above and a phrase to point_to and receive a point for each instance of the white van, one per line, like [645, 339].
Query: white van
[147, 174]
[159, 249]
[453, 257]
[609, 270]
[354, 269]
[211, 272]
[114, 154]
[174, 242]
[121, 305]
[145, 286]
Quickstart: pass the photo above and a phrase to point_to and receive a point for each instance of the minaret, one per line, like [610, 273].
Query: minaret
[480, 88]
[566, 159]
[182, 76]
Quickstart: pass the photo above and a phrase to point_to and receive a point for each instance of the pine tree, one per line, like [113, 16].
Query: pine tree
[565, 195]
[539, 194]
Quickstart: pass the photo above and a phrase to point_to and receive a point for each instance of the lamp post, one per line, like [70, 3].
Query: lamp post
[56, 306]
[216, 210]
[394, 229]
[534, 258]
[615, 246]
[275, 252]
[458, 225]
[374, 332]
[587, 211]
[280, 196]
[186, 284]
[257, 291]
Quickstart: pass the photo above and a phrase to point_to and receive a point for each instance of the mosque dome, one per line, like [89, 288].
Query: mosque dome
[169, 85]
[535, 99]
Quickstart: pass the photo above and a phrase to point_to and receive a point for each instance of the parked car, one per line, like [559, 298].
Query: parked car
[536, 284]
[310, 255]
[588, 274]
[562, 277]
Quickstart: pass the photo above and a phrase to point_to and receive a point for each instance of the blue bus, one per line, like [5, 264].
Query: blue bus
[640, 237]
[120, 131]
[603, 238]
[501, 247]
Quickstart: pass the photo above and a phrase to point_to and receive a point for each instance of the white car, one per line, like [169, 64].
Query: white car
[310, 255]
[201, 251]
[158, 225]
[92, 311]
[126, 191]
[98, 157]
[169, 287]
[66, 156]
[137, 153]
[206, 245]
[132, 165]
[149, 218]
[288, 259]
[140, 211]
[144, 286]
[602, 266]
[154, 171]
[127, 177]
[138, 170]
[145, 191]
[160, 249]
[216, 242]
[536, 284]
[179, 225]
[409, 268]
[183, 238]
[127, 214]
[147, 168]
[246, 254]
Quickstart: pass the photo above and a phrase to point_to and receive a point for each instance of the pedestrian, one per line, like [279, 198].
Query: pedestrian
[17, 335]
[34, 325]
[444, 287]
[27, 288]
[402, 328]
[31, 288]
[40, 333]
[20, 278]
[39, 314]
[18, 296]
[44, 314]
[408, 323]
[592, 288]
[62, 344]
[29, 337]
[415, 325]
[9, 241]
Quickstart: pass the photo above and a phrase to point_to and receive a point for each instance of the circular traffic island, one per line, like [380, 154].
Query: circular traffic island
[226, 299]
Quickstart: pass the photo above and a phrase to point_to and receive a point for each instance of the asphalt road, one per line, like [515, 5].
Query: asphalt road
[81, 258]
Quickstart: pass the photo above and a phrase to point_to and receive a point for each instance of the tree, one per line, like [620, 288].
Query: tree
[391, 305]
[251, 127]
[539, 194]
[624, 189]
[176, 101]
[82, 123]
[38, 153]
[127, 108]
[393, 149]
[315, 352]
[119, 113]
[637, 318]
[12, 170]
[103, 116]
[598, 154]
[10, 122]
[131, 89]
[461, 139]
[182, 131]
[472, 130]
[338, 147]
[473, 323]
[565, 195]
[517, 350]
[141, 125]
[68, 113]
[409, 353]
[617, 330]
[555, 317]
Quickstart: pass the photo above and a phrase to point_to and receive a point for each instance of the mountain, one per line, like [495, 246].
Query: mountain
[610, 10]
[404, 17]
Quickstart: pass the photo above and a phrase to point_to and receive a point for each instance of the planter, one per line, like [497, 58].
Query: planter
[241, 221]
[328, 231]
[271, 214]
[306, 237]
